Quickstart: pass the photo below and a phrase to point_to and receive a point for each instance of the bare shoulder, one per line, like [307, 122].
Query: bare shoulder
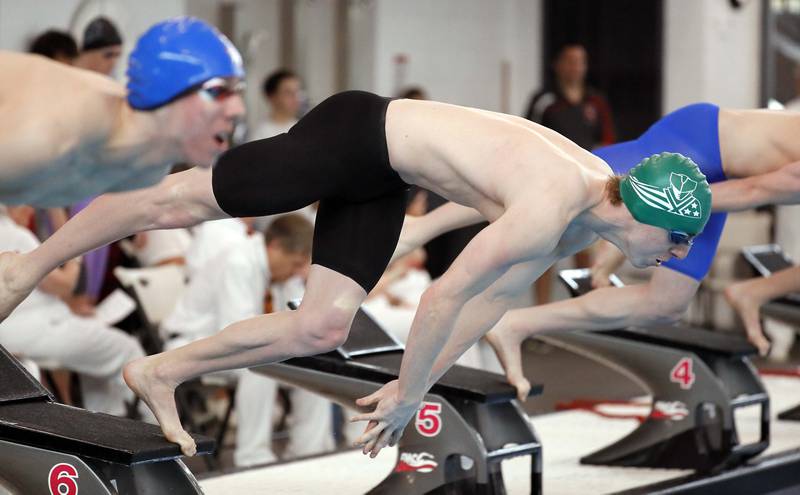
[565, 188]
[46, 94]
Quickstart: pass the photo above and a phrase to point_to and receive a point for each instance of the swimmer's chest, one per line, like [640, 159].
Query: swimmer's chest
[62, 175]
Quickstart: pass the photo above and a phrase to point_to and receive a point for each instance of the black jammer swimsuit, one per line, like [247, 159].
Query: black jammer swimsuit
[336, 154]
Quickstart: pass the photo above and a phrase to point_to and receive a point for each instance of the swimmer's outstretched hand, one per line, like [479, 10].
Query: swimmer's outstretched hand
[748, 307]
[386, 422]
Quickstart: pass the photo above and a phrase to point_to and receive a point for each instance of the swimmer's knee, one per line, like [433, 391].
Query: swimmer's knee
[323, 329]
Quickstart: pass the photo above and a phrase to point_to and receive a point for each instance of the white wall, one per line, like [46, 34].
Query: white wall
[455, 48]
[712, 53]
[315, 47]
[523, 48]
[21, 21]
[258, 37]
[361, 45]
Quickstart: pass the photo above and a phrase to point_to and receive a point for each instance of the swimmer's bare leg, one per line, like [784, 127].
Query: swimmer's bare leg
[180, 200]
[320, 324]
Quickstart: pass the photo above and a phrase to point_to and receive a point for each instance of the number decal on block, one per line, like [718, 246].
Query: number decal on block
[63, 479]
[682, 373]
[429, 420]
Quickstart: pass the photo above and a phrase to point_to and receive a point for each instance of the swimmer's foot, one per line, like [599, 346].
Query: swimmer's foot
[142, 376]
[507, 344]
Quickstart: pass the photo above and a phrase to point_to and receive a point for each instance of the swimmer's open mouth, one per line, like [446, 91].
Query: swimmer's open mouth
[221, 137]
[658, 261]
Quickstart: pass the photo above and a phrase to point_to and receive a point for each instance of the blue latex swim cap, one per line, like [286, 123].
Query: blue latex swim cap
[176, 55]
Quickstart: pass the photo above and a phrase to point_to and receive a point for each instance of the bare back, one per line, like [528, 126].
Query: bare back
[484, 159]
[754, 142]
[55, 123]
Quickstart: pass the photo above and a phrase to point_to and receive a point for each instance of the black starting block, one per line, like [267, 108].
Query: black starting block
[468, 423]
[46, 447]
[697, 379]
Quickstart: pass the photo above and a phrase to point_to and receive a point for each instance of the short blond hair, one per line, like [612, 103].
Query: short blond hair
[292, 232]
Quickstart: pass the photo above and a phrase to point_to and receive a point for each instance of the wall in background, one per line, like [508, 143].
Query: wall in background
[22, 21]
[457, 50]
[712, 53]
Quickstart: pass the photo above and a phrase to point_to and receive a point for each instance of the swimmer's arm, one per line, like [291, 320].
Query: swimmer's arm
[607, 259]
[781, 186]
[417, 231]
[486, 258]
[180, 200]
[661, 301]
[148, 178]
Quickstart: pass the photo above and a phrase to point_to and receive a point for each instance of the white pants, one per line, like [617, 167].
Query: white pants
[86, 346]
[310, 425]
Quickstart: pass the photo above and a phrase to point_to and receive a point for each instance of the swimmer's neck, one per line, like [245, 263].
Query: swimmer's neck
[145, 139]
[607, 221]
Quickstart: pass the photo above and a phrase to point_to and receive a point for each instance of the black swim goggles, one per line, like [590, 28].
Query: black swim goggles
[681, 238]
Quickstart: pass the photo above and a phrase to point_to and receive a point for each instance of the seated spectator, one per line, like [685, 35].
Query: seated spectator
[45, 331]
[162, 247]
[209, 239]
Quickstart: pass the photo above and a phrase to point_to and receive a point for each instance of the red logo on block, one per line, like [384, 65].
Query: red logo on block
[682, 373]
[421, 462]
[428, 421]
[62, 479]
[674, 411]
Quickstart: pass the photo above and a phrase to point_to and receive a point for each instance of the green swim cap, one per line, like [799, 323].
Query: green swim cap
[669, 191]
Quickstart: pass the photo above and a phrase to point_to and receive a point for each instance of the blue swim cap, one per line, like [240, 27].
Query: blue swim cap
[176, 55]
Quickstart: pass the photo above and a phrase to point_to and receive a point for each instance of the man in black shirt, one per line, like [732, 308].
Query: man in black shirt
[571, 107]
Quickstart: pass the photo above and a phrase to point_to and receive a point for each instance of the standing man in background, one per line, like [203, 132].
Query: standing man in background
[573, 109]
[282, 92]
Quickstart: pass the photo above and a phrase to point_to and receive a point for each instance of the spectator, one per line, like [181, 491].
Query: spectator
[44, 329]
[571, 107]
[56, 45]
[282, 92]
[101, 47]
